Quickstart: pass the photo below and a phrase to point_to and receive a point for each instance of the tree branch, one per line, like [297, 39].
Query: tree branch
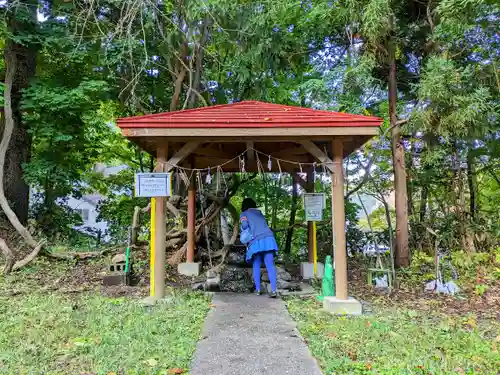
[365, 179]
[9, 257]
[29, 258]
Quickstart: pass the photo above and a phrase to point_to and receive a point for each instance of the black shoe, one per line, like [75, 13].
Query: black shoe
[273, 295]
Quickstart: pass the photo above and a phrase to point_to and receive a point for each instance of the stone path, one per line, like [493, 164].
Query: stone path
[250, 335]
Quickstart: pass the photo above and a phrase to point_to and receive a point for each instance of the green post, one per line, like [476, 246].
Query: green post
[327, 285]
[127, 253]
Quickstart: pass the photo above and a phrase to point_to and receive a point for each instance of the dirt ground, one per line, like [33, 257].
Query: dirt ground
[486, 306]
[84, 275]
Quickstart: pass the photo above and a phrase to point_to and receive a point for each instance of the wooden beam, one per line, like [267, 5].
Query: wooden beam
[160, 229]
[338, 222]
[180, 155]
[318, 154]
[254, 134]
[310, 234]
[191, 223]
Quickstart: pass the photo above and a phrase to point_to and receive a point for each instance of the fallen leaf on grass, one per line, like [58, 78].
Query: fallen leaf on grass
[175, 371]
[331, 335]
[352, 355]
[152, 362]
[471, 322]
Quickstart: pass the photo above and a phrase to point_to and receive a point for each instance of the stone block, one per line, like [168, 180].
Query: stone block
[307, 270]
[282, 284]
[119, 258]
[211, 274]
[213, 283]
[283, 274]
[117, 278]
[189, 269]
[337, 306]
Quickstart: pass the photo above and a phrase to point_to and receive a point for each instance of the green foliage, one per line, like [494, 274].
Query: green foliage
[375, 21]
[117, 208]
[324, 54]
[459, 107]
[62, 145]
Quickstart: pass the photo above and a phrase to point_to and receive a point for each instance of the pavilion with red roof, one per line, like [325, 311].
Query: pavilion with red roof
[210, 136]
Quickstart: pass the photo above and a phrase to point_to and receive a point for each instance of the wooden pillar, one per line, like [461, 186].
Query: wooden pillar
[338, 223]
[191, 222]
[310, 231]
[160, 229]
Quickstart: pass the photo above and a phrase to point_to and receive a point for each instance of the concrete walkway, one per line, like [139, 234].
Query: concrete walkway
[250, 335]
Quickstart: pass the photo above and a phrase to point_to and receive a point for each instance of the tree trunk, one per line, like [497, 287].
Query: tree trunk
[424, 196]
[274, 206]
[19, 20]
[224, 226]
[472, 182]
[11, 65]
[196, 84]
[391, 236]
[398, 161]
[411, 207]
[291, 222]
[266, 196]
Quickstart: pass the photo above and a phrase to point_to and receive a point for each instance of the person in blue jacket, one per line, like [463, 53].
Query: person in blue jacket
[261, 244]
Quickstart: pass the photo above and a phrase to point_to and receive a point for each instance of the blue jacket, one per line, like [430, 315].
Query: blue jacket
[254, 219]
[263, 236]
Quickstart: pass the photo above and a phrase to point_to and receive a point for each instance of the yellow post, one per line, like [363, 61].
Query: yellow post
[152, 254]
[315, 249]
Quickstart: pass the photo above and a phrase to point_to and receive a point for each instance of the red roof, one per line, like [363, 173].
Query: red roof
[248, 114]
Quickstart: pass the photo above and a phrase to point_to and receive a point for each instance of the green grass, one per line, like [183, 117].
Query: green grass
[55, 334]
[397, 342]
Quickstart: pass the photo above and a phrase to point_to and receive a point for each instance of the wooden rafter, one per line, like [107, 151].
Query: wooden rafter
[318, 154]
[180, 155]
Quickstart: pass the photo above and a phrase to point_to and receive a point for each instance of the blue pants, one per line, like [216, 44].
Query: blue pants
[268, 258]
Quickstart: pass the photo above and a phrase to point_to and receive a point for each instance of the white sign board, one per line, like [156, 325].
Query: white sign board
[314, 204]
[153, 184]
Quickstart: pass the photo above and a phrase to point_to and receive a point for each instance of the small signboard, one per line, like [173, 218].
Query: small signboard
[314, 204]
[153, 185]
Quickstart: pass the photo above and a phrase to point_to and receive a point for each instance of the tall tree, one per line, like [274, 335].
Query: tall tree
[398, 161]
[21, 24]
